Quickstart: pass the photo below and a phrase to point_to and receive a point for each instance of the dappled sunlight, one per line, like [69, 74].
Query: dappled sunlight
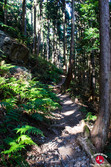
[62, 150]
[76, 129]
[68, 102]
[68, 113]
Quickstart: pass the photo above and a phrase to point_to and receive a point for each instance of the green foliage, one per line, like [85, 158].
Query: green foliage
[87, 52]
[90, 117]
[24, 139]
[92, 33]
[4, 68]
[20, 98]
[20, 142]
[14, 146]
[6, 26]
[29, 129]
[37, 116]
[45, 71]
[83, 109]
[14, 23]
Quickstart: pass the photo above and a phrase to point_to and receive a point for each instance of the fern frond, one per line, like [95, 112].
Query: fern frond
[29, 129]
[13, 115]
[15, 147]
[24, 139]
[37, 117]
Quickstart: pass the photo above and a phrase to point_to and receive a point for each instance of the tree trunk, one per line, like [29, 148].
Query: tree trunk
[92, 83]
[71, 59]
[53, 52]
[38, 43]
[34, 36]
[64, 38]
[55, 43]
[32, 19]
[24, 17]
[100, 130]
[39, 19]
[5, 12]
[48, 33]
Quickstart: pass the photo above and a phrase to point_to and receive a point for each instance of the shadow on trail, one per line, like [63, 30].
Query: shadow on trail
[65, 153]
[60, 149]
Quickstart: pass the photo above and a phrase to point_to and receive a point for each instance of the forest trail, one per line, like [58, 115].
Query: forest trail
[61, 149]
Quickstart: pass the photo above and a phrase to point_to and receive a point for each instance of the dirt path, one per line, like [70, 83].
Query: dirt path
[61, 148]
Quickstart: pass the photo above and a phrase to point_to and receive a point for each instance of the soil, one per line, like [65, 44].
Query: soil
[60, 148]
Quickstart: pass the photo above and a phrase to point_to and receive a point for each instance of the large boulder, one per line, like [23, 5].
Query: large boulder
[14, 51]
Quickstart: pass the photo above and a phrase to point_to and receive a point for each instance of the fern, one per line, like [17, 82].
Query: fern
[2, 80]
[15, 147]
[29, 129]
[8, 27]
[6, 105]
[11, 101]
[18, 97]
[17, 144]
[37, 116]
[24, 139]
[13, 115]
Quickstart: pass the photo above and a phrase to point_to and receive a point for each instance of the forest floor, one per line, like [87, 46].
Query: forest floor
[60, 148]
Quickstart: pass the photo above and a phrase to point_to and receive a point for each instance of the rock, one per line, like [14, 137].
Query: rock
[14, 51]
[20, 72]
[7, 40]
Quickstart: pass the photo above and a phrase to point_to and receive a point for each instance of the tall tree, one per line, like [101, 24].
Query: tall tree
[32, 17]
[24, 17]
[71, 58]
[34, 35]
[5, 12]
[64, 37]
[39, 19]
[48, 33]
[100, 129]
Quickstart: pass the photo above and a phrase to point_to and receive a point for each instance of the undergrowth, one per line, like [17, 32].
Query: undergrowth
[21, 100]
[44, 71]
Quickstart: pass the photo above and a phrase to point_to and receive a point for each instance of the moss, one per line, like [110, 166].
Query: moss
[86, 131]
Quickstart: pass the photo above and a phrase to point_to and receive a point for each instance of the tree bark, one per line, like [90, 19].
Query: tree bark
[32, 19]
[39, 19]
[100, 130]
[64, 37]
[24, 17]
[53, 45]
[34, 36]
[5, 12]
[48, 33]
[92, 82]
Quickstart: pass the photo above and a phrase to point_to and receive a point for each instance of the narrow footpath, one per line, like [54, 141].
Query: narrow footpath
[62, 149]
